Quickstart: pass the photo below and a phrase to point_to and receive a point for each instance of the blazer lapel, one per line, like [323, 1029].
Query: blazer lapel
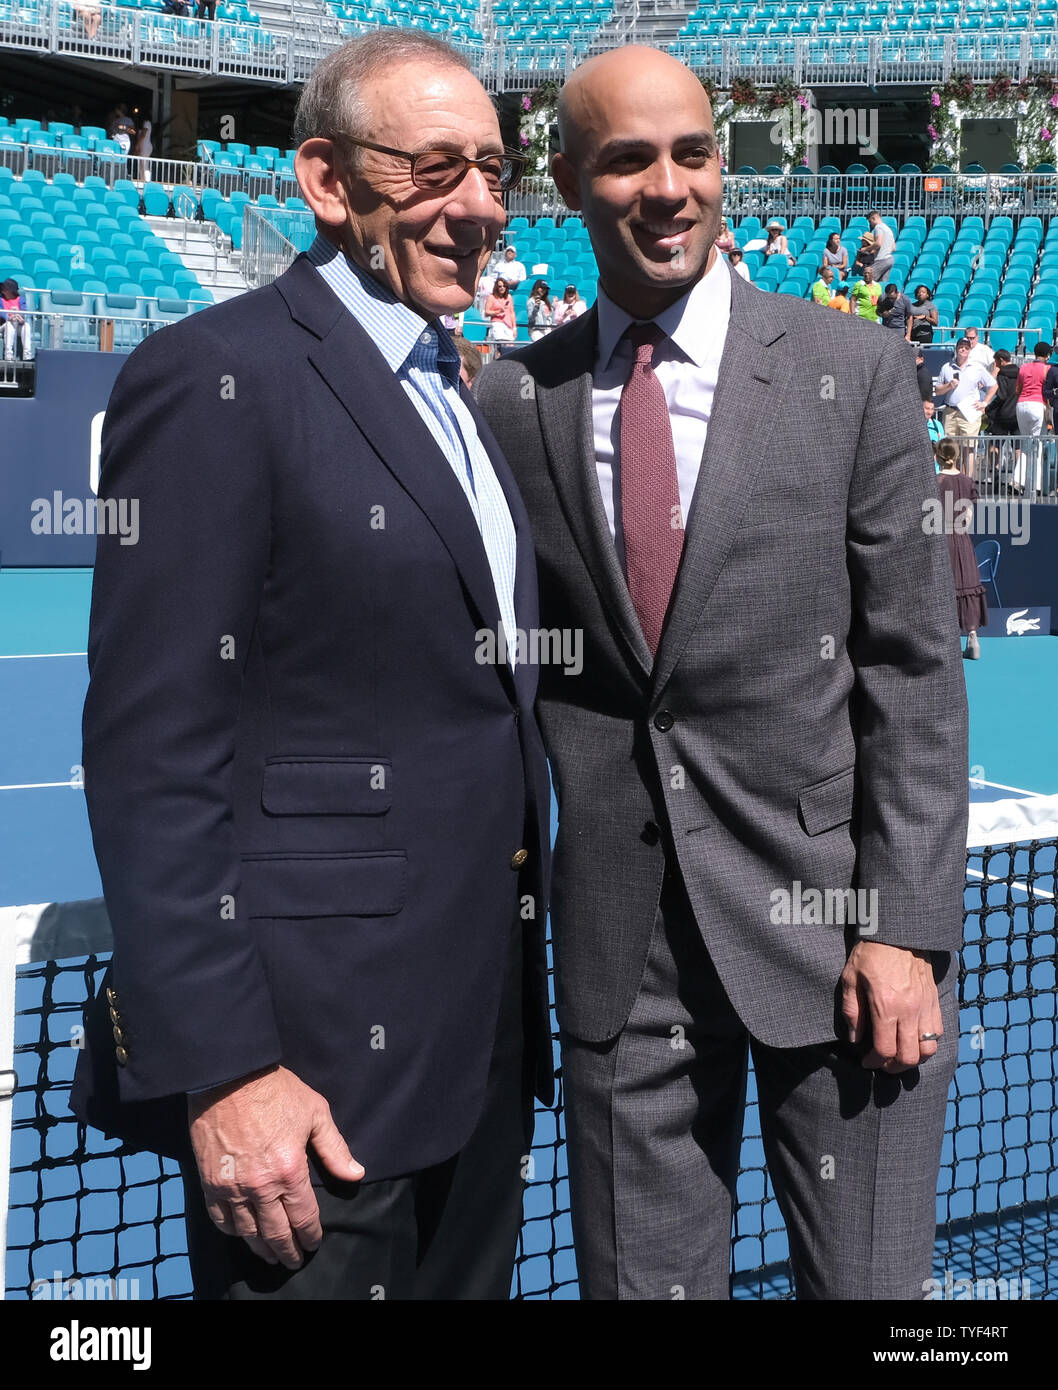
[743, 419]
[564, 403]
[360, 377]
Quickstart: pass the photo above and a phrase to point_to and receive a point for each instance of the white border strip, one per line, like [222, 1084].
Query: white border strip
[1012, 820]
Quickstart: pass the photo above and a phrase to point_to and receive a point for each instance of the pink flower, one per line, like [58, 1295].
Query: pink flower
[524, 138]
[935, 99]
[931, 132]
[1054, 100]
[1045, 134]
[802, 102]
[526, 104]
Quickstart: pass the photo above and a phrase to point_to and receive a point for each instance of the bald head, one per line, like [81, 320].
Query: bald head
[639, 161]
[599, 88]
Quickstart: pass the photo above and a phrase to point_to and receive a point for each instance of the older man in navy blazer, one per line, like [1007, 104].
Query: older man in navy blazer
[320, 818]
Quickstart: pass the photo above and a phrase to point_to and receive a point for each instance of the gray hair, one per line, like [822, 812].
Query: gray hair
[330, 105]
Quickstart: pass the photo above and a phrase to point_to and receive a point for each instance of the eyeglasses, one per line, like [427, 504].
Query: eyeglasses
[438, 170]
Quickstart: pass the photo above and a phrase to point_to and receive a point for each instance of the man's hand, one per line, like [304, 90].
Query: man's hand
[888, 995]
[250, 1139]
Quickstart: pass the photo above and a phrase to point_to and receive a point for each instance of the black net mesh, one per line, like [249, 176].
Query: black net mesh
[81, 1207]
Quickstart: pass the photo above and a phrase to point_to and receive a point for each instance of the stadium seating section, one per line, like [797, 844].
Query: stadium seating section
[738, 19]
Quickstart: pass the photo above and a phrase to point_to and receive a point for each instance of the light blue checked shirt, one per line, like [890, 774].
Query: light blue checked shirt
[425, 361]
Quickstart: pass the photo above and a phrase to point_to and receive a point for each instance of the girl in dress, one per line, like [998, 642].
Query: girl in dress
[969, 591]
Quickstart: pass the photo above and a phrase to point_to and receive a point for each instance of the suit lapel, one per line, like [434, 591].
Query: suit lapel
[744, 418]
[564, 403]
[360, 377]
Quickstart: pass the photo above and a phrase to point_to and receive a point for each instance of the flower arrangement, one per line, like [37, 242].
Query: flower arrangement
[1031, 102]
[782, 106]
[534, 131]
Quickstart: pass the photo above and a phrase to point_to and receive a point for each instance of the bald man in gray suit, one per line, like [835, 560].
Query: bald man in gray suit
[761, 770]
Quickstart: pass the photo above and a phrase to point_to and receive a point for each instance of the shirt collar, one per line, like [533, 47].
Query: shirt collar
[691, 322]
[398, 331]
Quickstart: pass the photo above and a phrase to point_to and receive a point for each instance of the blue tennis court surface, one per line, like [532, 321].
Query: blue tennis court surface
[114, 1215]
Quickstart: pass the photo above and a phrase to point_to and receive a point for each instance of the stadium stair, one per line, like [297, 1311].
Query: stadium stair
[215, 269]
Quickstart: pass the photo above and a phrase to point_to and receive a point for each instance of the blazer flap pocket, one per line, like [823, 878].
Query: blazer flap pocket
[828, 803]
[324, 885]
[326, 786]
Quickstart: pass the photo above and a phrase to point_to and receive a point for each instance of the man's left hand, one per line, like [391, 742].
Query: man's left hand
[889, 996]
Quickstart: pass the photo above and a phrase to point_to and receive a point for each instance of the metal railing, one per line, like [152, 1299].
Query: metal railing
[271, 238]
[803, 193]
[151, 39]
[74, 332]
[1012, 468]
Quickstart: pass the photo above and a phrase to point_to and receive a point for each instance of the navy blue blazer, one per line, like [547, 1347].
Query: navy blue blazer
[307, 795]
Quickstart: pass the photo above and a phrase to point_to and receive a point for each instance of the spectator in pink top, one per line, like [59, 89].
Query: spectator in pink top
[499, 313]
[1030, 405]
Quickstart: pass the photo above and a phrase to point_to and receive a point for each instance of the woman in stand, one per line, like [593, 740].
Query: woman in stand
[725, 242]
[499, 313]
[569, 307]
[834, 254]
[776, 244]
[969, 591]
[921, 317]
[538, 310]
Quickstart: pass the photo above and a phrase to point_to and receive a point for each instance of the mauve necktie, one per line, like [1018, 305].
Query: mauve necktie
[651, 518]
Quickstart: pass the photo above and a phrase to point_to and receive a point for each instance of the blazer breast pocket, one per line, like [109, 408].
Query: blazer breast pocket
[826, 804]
[315, 786]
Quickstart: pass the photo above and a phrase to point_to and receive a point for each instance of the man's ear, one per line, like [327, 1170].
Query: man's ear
[565, 177]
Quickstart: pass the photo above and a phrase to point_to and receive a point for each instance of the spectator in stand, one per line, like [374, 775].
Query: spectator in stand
[569, 307]
[177, 7]
[821, 291]
[207, 9]
[538, 310]
[835, 255]
[885, 245]
[511, 268]
[499, 313]
[1030, 406]
[16, 325]
[922, 317]
[865, 296]
[981, 355]
[737, 264]
[122, 127]
[469, 359]
[934, 428]
[894, 308]
[839, 299]
[1002, 415]
[969, 389]
[866, 254]
[924, 374]
[142, 149]
[725, 242]
[776, 244]
[969, 591]
[91, 13]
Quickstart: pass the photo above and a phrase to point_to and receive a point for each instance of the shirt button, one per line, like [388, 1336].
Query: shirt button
[663, 721]
[426, 338]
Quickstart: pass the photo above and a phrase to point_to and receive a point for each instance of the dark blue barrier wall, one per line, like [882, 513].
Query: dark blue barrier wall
[49, 443]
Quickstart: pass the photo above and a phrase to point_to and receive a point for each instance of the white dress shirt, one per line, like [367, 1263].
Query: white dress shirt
[686, 362]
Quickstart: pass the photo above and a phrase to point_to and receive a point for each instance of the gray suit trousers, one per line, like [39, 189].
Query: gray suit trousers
[654, 1124]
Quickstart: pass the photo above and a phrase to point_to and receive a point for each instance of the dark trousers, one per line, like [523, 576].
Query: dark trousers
[207, 9]
[654, 1122]
[447, 1232]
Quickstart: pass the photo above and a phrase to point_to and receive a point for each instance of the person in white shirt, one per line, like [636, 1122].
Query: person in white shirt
[511, 268]
[981, 355]
[738, 265]
[968, 388]
[885, 241]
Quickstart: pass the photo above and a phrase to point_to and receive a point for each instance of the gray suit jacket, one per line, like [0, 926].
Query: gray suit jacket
[804, 725]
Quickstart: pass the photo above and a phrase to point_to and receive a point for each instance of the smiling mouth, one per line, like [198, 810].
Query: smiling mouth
[455, 253]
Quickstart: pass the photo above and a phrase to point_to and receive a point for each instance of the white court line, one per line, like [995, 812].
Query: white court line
[1036, 891]
[30, 786]
[37, 656]
[981, 782]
